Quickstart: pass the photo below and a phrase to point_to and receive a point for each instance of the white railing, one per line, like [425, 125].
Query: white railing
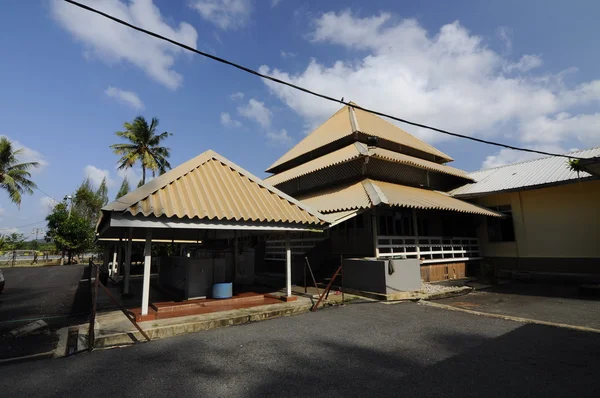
[430, 249]
[275, 249]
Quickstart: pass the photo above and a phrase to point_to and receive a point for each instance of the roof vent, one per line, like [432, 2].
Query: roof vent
[372, 141]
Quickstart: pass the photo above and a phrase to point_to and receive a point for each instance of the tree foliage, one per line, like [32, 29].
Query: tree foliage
[13, 241]
[143, 145]
[124, 190]
[15, 175]
[88, 201]
[71, 234]
[73, 231]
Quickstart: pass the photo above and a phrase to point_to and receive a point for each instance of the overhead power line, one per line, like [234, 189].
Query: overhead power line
[22, 226]
[305, 90]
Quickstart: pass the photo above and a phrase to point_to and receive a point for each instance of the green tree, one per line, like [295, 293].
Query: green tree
[144, 146]
[124, 190]
[88, 202]
[102, 193]
[71, 234]
[14, 174]
[13, 241]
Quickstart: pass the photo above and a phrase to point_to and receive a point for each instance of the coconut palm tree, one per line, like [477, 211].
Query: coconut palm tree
[15, 175]
[143, 146]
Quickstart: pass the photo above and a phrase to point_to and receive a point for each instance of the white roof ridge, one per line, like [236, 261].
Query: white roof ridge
[535, 160]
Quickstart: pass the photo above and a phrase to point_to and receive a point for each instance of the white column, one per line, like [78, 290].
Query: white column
[114, 261]
[374, 229]
[127, 263]
[119, 260]
[147, 262]
[288, 266]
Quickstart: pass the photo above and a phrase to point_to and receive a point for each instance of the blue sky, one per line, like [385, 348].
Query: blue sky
[518, 72]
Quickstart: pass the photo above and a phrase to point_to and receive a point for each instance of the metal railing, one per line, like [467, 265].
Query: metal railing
[430, 249]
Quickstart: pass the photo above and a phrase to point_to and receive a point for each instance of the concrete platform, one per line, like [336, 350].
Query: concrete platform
[113, 329]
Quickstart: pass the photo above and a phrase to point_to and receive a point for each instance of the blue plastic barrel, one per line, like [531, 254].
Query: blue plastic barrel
[222, 290]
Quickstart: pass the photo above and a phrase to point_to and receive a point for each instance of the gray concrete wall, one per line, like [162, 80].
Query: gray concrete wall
[374, 275]
[405, 275]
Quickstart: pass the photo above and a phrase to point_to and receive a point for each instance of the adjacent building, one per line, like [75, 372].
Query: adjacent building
[552, 214]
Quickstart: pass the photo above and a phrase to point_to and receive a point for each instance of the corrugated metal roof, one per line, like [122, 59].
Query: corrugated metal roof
[369, 193]
[413, 161]
[544, 171]
[355, 150]
[349, 120]
[213, 188]
[342, 155]
[371, 124]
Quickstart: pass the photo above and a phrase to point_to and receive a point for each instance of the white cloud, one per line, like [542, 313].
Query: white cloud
[47, 204]
[282, 138]
[257, 111]
[287, 54]
[28, 155]
[504, 33]
[526, 63]
[96, 176]
[237, 96]
[226, 14]
[125, 97]
[509, 156]
[2, 211]
[132, 175]
[9, 231]
[112, 43]
[227, 121]
[275, 3]
[449, 79]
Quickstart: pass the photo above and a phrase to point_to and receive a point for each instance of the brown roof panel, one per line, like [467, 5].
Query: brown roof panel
[369, 193]
[213, 188]
[356, 150]
[349, 120]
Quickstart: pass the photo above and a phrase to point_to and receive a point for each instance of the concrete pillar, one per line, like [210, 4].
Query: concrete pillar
[127, 263]
[288, 266]
[117, 265]
[374, 228]
[147, 262]
[114, 260]
[416, 228]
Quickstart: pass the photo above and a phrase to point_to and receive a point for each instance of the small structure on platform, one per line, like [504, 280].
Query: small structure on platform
[209, 213]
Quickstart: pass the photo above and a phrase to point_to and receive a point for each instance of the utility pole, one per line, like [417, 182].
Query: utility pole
[69, 198]
[36, 232]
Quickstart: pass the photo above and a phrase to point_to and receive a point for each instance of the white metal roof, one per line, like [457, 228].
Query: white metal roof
[531, 173]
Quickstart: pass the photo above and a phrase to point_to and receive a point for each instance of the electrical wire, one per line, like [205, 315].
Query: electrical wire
[34, 223]
[23, 226]
[305, 90]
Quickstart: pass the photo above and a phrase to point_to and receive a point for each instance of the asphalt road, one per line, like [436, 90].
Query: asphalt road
[360, 350]
[54, 294]
[557, 303]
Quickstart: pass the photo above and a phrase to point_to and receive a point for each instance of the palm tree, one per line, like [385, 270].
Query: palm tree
[15, 176]
[144, 146]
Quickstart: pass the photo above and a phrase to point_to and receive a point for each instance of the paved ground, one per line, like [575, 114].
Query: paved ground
[50, 293]
[540, 301]
[358, 350]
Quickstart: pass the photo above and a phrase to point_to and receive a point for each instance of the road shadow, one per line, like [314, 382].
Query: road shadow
[529, 360]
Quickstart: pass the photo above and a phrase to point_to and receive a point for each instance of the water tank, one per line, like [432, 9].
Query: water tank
[222, 290]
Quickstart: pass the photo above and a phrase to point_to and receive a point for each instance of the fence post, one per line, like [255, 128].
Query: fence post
[91, 332]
